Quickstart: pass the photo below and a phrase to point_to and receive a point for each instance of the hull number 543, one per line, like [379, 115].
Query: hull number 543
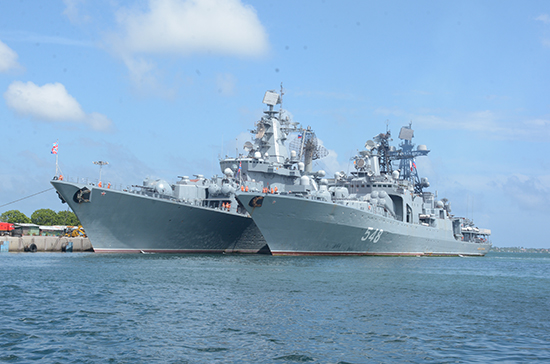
[372, 235]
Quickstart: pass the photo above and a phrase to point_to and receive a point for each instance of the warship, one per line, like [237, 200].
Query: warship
[195, 215]
[378, 209]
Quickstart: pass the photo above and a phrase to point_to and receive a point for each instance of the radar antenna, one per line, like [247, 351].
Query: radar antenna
[406, 155]
[308, 148]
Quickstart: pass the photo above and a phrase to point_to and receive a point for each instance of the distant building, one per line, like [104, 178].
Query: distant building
[26, 230]
[52, 230]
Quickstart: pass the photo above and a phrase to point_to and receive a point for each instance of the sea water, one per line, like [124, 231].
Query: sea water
[156, 308]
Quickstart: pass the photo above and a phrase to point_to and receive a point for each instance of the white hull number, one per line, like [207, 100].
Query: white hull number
[372, 235]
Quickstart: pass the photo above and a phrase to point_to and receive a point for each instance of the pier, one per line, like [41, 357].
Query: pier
[32, 244]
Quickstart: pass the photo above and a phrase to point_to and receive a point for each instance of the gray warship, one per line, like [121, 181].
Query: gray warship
[193, 215]
[376, 210]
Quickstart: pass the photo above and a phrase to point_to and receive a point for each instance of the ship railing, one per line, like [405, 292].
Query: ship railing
[95, 182]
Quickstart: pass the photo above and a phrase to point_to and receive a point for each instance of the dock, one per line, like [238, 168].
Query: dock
[32, 244]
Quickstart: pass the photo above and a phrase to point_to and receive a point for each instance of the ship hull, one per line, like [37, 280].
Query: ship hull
[124, 222]
[299, 226]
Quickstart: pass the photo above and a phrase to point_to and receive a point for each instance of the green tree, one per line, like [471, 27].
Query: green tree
[14, 217]
[67, 218]
[46, 217]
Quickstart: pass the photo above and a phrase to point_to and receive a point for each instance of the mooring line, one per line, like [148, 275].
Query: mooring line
[9, 203]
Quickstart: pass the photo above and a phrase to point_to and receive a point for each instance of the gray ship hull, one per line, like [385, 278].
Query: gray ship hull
[119, 221]
[299, 226]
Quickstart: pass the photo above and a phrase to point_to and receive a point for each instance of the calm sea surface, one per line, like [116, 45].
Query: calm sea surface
[144, 308]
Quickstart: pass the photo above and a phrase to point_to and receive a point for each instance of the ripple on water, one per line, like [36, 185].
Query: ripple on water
[233, 309]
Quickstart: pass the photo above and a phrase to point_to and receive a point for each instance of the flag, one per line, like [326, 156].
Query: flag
[414, 164]
[411, 165]
[299, 136]
[54, 148]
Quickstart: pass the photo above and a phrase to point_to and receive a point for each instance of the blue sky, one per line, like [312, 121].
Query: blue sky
[161, 88]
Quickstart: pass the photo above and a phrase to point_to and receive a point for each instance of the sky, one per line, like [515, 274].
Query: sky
[163, 88]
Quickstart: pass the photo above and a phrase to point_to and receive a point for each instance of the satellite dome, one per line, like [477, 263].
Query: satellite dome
[257, 155]
[422, 147]
[301, 166]
[227, 189]
[163, 187]
[374, 194]
[395, 174]
[228, 172]
[293, 154]
[214, 189]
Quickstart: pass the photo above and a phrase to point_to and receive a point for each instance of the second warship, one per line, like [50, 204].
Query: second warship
[376, 210]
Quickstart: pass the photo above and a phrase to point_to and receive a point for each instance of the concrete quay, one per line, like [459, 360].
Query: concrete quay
[15, 244]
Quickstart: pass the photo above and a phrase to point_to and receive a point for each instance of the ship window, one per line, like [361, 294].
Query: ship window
[362, 185]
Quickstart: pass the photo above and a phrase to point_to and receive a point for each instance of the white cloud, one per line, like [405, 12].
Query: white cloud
[184, 28]
[51, 103]
[330, 164]
[24, 36]
[72, 11]
[226, 84]
[8, 58]
[145, 76]
[545, 18]
[482, 123]
[529, 192]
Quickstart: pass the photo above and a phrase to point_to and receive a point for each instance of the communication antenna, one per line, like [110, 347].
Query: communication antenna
[308, 148]
[281, 101]
[100, 164]
[248, 146]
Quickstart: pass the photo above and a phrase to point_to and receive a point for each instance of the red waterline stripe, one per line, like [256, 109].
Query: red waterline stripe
[290, 253]
[168, 251]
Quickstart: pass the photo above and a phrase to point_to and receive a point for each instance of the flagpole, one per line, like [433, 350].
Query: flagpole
[57, 160]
